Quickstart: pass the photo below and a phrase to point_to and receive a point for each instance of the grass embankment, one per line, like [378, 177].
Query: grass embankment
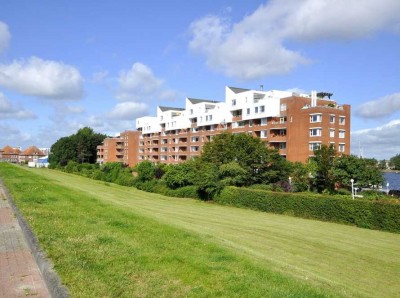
[107, 240]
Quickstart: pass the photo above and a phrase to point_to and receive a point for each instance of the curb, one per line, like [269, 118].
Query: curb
[50, 277]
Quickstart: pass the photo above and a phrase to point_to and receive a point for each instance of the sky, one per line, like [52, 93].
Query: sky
[69, 64]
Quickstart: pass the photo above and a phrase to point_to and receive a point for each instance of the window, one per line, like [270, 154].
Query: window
[332, 133]
[315, 132]
[263, 134]
[282, 145]
[332, 119]
[163, 149]
[195, 129]
[342, 120]
[282, 119]
[191, 111]
[315, 118]
[262, 109]
[341, 148]
[263, 121]
[256, 110]
[194, 139]
[283, 107]
[233, 102]
[194, 148]
[342, 134]
[314, 146]
[248, 111]
[251, 123]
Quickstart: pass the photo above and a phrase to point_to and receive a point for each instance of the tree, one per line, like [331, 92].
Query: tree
[262, 164]
[365, 172]
[324, 160]
[80, 147]
[395, 162]
[232, 174]
[145, 171]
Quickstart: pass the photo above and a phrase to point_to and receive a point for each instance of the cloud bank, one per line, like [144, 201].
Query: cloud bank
[10, 111]
[256, 46]
[42, 78]
[381, 107]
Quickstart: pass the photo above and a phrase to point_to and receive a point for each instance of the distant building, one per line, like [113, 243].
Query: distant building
[295, 124]
[123, 148]
[15, 155]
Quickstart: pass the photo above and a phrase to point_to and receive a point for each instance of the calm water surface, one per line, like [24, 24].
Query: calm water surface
[393, 179]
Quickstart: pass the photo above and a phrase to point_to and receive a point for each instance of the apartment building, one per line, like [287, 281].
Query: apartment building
[295, 124]
[123, 148]
[15, 155]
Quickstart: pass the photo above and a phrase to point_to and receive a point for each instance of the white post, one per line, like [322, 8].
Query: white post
[352, 188]
[387, 188]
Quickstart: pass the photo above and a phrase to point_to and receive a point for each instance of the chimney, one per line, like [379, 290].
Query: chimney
[313, 98]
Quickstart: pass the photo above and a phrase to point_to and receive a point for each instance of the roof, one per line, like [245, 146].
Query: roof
[238, 90]
[164, 109]
[32, 150]
[10, 150]
[197, 100]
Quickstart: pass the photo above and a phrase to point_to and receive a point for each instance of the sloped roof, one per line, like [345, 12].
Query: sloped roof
[197, 100]
[238, 90]
[32, 150]
[10, 150]
[163, 109]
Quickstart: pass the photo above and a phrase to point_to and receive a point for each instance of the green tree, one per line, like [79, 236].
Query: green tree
[395, 162]
[145, 171]
[178, 175]
[364, 172]
[232, 174]
[324, 159]
[262, 164]
[300, 176]
[80, 147]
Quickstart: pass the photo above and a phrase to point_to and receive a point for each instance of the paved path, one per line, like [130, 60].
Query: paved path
[19, 273]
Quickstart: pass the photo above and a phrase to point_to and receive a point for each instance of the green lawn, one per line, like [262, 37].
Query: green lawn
[108, 240]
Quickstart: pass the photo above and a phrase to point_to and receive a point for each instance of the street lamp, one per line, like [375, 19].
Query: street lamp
[387, 188]
[352, 188]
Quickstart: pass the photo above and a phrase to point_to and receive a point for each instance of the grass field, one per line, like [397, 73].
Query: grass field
[108, 240]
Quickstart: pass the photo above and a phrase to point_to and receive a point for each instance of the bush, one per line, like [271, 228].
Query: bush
[378, 214]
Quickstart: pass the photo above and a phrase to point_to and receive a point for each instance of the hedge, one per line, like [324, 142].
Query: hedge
[378, 215]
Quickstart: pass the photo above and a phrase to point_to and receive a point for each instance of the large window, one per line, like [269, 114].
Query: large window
[262, 109]
[341, 147]
[315, 132]
[342, 134]
[263, 134]
[342, 120]
[315, 118]
[332, 133]
[314, 146]
[332, 119]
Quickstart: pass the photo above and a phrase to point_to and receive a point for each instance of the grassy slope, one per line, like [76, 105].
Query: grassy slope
[343, 259]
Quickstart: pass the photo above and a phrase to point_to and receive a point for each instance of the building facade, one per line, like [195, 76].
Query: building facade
[15, 155]
[295, 124]
[124, 149]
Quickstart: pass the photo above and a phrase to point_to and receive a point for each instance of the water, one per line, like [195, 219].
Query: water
[393, 179]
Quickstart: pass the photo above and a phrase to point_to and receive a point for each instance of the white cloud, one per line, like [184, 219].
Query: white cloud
[381, 142]
[139, 84]
[12, 136]
[10, 111]
[255, 46]
[128, 111]
[42, 78]
[5, 36]
[381, 107]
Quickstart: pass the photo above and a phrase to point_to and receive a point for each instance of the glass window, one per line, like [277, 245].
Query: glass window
[315, 132]
[314, 146]
[332, 133]
[342, 134]
[315, 118]
[263, 134]
[332, 118]
[342, 120]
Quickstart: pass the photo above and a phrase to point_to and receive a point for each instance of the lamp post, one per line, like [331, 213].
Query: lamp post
[387, 188]
[352, 188]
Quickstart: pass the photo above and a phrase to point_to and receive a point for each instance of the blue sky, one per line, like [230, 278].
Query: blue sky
[70, 64]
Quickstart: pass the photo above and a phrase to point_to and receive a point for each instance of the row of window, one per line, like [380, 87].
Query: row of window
[317, 132]
[317, 145]
[314, 118]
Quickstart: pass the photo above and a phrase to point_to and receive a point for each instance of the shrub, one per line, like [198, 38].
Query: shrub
[378, 214]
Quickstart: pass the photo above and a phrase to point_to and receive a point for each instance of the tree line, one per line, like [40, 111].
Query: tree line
[228, 160]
